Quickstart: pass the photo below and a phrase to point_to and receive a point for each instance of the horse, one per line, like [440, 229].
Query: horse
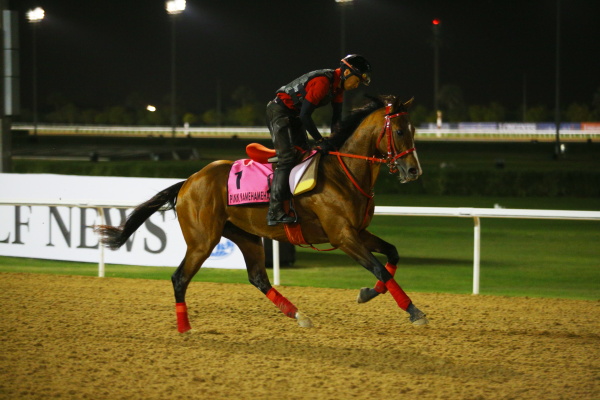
[337, 211]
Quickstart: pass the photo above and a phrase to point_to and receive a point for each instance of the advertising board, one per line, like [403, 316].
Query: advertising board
[66, 232]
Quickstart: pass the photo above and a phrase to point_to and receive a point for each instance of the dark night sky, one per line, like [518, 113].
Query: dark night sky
[97, 52]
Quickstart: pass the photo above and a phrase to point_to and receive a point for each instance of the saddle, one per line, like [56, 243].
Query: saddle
[303, 177]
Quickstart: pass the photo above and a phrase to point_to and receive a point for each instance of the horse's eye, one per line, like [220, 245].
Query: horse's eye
[399, 132]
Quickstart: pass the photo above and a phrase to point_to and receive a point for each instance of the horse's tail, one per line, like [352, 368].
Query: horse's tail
[114, 237]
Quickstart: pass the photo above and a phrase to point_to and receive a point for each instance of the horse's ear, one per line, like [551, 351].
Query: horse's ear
[408, 104]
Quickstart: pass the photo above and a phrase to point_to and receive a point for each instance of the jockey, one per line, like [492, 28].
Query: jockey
[289, 118]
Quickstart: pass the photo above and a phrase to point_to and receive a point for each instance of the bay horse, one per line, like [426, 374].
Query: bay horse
[337, 211]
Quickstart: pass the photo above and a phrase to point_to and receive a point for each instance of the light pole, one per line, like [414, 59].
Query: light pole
[343, 6]
[557, 146]
[174, 8]
[436, 63]
[35, 16]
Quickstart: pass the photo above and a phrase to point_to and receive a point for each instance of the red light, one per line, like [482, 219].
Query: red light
[436, 21]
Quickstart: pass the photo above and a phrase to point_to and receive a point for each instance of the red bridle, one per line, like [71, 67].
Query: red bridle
[392, 151]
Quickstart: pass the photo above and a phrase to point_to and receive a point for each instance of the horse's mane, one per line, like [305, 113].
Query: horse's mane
[348, 125]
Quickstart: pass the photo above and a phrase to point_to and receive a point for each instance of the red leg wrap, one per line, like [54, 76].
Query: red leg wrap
[396, 291]
[183, 323]
[284, 304]
[380, 286]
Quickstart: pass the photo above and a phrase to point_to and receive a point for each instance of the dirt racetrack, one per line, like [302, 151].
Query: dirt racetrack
[75, 337]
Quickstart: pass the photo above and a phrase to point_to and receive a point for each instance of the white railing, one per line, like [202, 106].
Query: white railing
[144, 131]
[475, 213]
[498, 134]
[263, 132]
[478, 213]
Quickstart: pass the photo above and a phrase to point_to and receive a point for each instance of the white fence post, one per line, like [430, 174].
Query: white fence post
[100, 246]
[276, 280]
[476, 253]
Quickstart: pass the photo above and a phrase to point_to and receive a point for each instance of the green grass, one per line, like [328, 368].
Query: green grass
[536, 258]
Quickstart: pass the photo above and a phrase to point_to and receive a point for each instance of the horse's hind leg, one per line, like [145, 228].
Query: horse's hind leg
[252, 248]
[180, 286]
[182, 277]
[200, 240]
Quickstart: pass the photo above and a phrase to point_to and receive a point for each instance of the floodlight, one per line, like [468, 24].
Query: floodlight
[175, 6]
[35, 15]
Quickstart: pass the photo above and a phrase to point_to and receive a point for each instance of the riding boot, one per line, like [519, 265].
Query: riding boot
[279, 192]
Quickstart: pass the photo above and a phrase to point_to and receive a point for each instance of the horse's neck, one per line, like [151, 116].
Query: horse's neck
[363, 142]
[364, 139]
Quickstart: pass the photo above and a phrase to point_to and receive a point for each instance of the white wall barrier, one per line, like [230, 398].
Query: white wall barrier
[50, 216]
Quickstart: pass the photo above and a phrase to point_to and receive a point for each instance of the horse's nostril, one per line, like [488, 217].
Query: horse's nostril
[413, 171]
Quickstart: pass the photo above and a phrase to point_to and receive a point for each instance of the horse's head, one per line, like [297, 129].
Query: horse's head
[385, 124]
[397, 140]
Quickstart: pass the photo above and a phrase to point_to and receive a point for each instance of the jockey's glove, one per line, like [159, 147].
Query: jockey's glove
[324, 146]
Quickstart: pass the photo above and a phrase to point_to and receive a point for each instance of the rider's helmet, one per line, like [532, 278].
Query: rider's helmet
[358, 65]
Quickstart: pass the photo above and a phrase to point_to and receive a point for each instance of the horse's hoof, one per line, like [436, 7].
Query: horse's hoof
[366, 294]
[417, 317]
[303, 320]
[420, 322]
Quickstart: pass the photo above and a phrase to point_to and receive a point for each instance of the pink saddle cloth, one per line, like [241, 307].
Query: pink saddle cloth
[249, 182]
[249, 179]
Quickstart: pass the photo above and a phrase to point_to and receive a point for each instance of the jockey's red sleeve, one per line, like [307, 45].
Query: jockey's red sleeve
[316, 89]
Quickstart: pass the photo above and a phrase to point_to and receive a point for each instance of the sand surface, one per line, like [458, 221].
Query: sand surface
[89, 338]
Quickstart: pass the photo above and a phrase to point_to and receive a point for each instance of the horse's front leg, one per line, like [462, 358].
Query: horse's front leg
[352, 245]
[377, 245]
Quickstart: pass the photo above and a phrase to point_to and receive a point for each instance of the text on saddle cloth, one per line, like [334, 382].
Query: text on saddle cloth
[248, 181]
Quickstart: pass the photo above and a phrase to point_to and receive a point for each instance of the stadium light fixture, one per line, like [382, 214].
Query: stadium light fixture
[175, 6]
[35, 15]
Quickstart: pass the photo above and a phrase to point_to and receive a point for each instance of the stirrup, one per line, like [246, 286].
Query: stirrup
[283, 219]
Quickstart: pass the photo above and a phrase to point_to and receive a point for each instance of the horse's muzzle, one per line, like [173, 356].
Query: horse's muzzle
[409, 168]
[409, 173]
